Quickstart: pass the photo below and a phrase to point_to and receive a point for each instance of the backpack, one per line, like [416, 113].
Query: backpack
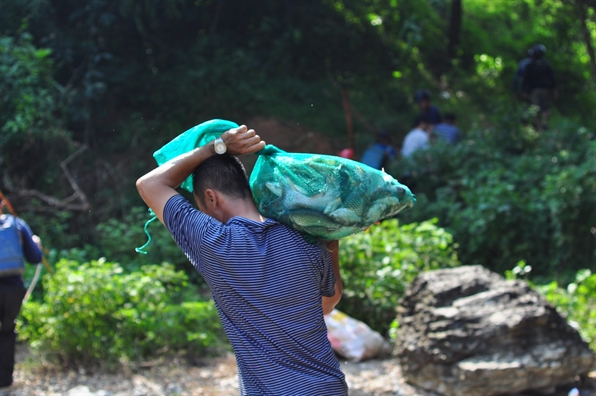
[12, 260]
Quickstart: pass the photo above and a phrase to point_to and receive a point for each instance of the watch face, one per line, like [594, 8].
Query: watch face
[219, 146]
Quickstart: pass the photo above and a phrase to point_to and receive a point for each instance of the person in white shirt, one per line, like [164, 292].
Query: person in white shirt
[418, 138]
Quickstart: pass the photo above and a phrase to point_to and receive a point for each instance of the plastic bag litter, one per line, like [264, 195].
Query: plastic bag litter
[351, 338]
[324, 196]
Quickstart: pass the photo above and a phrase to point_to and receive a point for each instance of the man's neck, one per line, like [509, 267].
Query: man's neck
[244, 208]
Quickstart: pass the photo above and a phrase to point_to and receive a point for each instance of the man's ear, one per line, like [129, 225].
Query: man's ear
[211, 199]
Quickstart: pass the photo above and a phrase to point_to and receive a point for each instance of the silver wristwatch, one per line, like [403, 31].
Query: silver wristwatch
[219, 146]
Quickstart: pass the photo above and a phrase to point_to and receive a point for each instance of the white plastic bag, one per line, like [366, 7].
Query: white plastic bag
[351, 338]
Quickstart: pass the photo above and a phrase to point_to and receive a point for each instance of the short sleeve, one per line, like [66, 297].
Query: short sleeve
[187, 226]
[328, 278]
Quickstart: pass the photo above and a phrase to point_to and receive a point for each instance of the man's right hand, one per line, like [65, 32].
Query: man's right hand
[241, 141]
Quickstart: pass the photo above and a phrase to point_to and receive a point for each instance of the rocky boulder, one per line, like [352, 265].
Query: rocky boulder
[468, 331]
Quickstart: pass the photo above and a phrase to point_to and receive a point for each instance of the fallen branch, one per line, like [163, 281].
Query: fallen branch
[65, 203]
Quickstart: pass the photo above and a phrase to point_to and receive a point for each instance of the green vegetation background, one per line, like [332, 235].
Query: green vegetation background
[91, 88]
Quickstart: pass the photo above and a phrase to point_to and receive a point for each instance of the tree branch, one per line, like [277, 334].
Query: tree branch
[66, 202]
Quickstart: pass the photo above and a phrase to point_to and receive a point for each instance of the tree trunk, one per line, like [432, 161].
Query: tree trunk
[455, 23]
[345, 100]
[583, 15]
[216, 16]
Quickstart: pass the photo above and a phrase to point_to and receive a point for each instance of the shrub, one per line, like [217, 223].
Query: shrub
[577, 302]
[378, 264]
[116, 240]
[95, 314]
[510, 194]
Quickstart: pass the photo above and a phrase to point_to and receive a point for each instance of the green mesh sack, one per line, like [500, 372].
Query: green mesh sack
[324, 196]
[195, 137]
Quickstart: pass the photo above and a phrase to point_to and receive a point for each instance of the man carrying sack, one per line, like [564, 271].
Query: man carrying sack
[270, 286]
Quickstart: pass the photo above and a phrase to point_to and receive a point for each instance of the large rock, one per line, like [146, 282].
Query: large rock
[468, 331]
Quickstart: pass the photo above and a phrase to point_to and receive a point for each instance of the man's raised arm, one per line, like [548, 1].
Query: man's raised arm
[159, 185]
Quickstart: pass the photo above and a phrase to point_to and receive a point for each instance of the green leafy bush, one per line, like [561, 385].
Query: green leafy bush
[117, 240]
[378, 264]
[96, 314]
[577, 302]
[508, 194]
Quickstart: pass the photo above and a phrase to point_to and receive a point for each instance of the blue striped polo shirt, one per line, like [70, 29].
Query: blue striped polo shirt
[267, 283]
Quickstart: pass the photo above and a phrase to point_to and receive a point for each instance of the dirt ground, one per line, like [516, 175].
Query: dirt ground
[211, 377]
[208, 377]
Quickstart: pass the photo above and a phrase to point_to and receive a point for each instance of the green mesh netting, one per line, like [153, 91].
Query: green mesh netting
[324, 196]
[195, 137]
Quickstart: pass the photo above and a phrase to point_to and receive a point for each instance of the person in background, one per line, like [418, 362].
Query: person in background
[541, 84]
[427, 108]
[17, 244]
[520, 85]
[270, 286]
[447, 131]
[418, 139]
[379, 154]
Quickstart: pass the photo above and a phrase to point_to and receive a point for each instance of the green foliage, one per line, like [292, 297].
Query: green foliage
[521, 270]
[508, 194]
[378, 264]
[28, 100]
[117, 240]
[31, 127]
[96, 314]
[136, 73]
[577, 302]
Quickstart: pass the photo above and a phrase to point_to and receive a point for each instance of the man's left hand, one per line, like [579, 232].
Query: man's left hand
[241, 141]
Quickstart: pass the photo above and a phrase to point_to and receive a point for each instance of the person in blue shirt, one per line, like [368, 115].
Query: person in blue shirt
[379, 154]
[271, 286]
[447, 131]
[12, 291]
[427, 108]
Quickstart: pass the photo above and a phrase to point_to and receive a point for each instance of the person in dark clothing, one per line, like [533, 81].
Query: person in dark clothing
[519, 84]
[540, 80]
[432, 112]
[12, 290]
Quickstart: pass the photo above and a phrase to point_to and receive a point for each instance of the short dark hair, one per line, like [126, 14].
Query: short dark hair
[422, 94]
[223, 173]
[383, 137]
[450, 117]
[421, 118]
